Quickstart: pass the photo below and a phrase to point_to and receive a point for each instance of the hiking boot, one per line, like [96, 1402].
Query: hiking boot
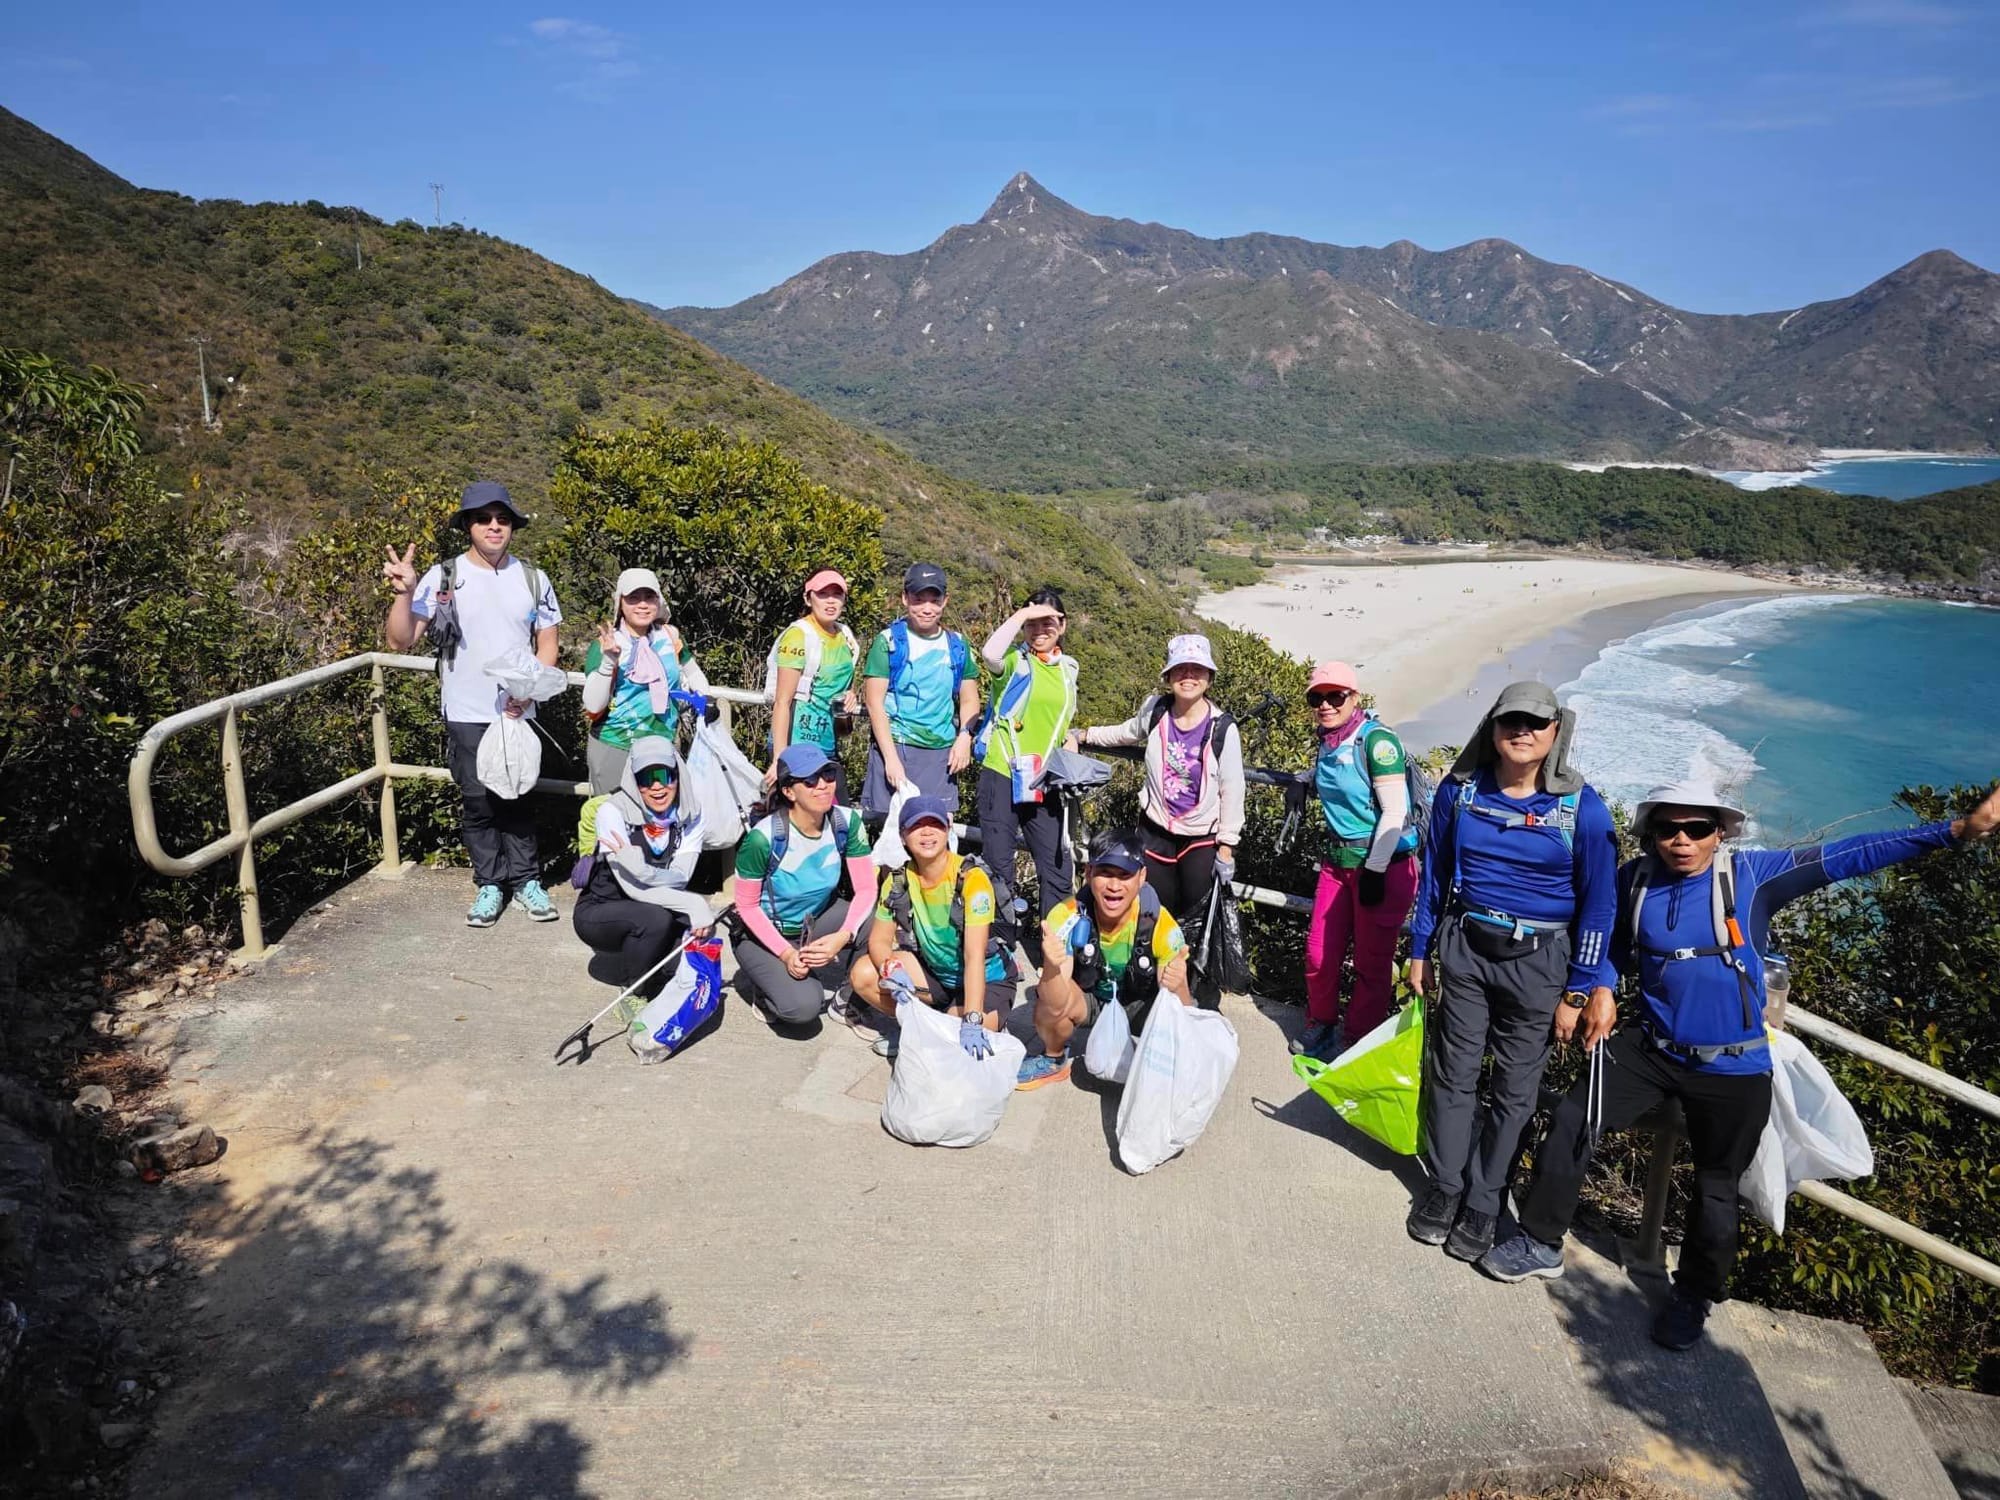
[1680, 1322]
[1521, 1257]
[1040, 1069]
[533, 900]
[486, 907]
[1431, 1220]
[1471, 1237]
[1316, 1035]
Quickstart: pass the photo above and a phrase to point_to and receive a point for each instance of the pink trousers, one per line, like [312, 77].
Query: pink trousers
[1339, 918]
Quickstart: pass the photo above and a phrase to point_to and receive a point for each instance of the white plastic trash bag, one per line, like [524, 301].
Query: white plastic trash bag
[1813, 1133]
[1109, 1052]
[1178, 1076]
[524, 677]
[718, 779]
[889, 853]
[939, 1096]
[509, 759]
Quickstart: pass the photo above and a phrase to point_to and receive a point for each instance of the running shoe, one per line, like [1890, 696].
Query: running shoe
[486, 907]
[887, 1043]
[1040, 1068]
[533, 900]
[1317, 1034]
[1521, 1257]
[1431, 1220]
[1471, 1237]
[1680, 1322]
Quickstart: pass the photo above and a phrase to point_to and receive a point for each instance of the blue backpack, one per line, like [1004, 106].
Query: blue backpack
[899, 654]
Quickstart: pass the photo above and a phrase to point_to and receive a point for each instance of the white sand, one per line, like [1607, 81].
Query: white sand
[1418, 634]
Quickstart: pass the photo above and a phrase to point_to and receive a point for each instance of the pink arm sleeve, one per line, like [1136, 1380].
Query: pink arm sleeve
[861, 870]
[750, 907]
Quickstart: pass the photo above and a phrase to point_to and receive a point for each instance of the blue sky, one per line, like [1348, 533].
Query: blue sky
[1725, 157]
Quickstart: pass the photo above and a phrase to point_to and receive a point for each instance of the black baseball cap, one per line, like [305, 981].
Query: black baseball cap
[481, 493]
[922, 575]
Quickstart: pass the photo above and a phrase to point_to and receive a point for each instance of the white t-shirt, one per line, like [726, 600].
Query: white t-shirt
[495, 615]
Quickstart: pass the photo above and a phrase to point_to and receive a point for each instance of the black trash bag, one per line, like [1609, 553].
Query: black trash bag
[1220, 957]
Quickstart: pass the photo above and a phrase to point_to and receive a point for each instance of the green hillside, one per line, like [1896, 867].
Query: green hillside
[449, 353]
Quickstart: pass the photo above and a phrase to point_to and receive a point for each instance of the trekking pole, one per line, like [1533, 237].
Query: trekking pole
[582, 1034]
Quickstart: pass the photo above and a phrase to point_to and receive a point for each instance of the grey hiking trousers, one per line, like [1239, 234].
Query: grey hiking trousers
[1497, 995]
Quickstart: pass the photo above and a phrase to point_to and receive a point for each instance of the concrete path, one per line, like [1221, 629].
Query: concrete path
[439, 1264]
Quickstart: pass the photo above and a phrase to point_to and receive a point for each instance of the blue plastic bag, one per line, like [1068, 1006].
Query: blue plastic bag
[687, 1004]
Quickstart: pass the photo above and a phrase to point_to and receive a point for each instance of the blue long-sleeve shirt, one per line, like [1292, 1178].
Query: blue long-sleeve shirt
[1700, 1002]
[1529, 872]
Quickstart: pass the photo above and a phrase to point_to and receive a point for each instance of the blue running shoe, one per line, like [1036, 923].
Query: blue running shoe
[533, 900]
[486, 907]
[1522, 1256]
[1039, 1068]
[1316, 1035]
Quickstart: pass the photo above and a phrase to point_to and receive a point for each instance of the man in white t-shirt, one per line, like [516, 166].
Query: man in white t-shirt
[492, 603]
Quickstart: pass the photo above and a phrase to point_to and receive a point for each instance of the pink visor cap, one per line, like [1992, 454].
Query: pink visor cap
[824, 579]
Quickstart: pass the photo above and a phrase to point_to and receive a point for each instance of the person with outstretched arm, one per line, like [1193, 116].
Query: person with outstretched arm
[1693, 918]
[1513, 924]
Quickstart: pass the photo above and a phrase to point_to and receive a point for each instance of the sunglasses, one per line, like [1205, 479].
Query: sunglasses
[818, 778]
[657, 776]
[492, 518]
[1697, 829]
[1328, 697]
[1515, 723]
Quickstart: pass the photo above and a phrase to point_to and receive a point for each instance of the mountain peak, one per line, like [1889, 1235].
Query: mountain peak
[1023, 196]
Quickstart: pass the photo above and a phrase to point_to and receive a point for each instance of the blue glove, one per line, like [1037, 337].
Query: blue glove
[1225, 869]
[899, 985]
[975, 1039]
[696, 704]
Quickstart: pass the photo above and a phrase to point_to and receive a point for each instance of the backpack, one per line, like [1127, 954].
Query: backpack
[777, 828]
[1217, 720]
[445, 631]
[1001, 705]
[1418, 786]
[815, 654]
[1563, 820]
[1142, 975]
[896, 896]
[899, 654]
[1722, 905]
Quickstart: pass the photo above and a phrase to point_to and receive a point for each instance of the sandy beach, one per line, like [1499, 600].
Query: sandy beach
[1421, 635]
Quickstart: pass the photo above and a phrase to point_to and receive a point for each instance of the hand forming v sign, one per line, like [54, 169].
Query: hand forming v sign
[401, 572]
[608, 642]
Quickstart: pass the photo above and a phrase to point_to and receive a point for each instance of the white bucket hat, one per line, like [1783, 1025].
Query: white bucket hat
[1691, 794]
[1188, 650]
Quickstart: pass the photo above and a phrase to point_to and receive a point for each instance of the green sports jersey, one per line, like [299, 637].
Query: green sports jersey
[923, 706]
[812, 717]
[803, 886]
[1064, 923]
[629, 715]
[1037, 724]
[939, 944]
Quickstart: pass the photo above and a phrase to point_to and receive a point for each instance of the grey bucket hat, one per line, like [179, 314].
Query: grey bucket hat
[1559, 774]
[1691, 793]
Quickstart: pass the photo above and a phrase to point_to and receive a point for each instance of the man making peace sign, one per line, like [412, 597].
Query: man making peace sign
[481, 604]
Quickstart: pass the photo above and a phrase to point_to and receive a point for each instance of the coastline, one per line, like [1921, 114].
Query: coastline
[1422, 637]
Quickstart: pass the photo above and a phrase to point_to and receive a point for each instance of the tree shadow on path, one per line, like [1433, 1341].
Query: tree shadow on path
[340, 1344]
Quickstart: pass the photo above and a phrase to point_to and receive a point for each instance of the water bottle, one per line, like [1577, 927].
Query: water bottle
[1777, 989]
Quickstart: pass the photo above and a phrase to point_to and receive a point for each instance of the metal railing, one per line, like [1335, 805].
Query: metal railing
[245, 829]
[1668, 1129]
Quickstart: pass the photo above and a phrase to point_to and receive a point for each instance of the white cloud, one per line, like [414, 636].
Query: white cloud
[604, 55]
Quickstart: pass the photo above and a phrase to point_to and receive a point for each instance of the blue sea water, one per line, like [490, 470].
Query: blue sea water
[1893, 478]
[1818, 708]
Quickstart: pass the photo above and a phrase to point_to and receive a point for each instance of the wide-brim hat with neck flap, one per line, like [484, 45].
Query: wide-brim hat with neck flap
[1559, 774]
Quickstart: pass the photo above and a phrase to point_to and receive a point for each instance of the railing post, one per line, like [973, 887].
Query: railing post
[238, 801]
[1659, 1176]
[391, 867]
[725, 717]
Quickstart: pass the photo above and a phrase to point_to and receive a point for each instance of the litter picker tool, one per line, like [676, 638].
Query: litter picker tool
[627, 996]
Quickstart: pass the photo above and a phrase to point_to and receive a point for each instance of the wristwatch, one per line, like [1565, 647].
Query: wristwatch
[1575, 999]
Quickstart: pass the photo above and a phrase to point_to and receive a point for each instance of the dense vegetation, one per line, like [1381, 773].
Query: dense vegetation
[1951, 538]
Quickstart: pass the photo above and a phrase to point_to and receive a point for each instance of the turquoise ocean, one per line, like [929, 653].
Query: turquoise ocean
[1893, 478]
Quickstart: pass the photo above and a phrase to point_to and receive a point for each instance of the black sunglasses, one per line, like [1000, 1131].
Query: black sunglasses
[818, 778]
[492, 517]
[1514, 723]
[1695, 828]
[657, 776]
[1328, 697]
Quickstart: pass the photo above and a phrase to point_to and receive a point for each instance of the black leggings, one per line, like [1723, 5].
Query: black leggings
[1004, 826]
[1180, 867]
[632, 935]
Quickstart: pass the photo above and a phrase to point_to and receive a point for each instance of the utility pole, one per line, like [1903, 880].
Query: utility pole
[200, 343]
[357, 237]
[437, 204]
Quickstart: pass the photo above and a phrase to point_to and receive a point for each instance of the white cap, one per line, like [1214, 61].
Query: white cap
[633, 579]
[1188, 650]
[1691, 794]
